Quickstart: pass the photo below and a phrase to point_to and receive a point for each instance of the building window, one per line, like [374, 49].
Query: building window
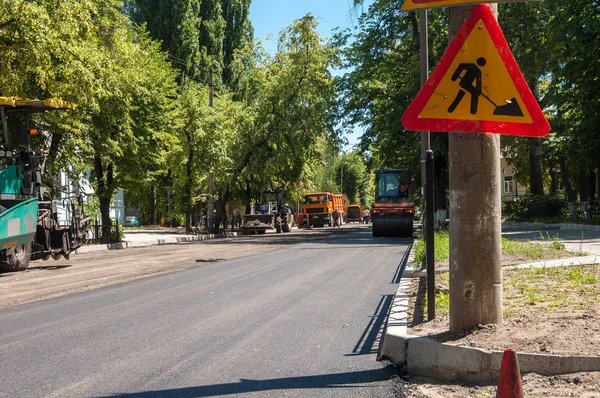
[509, 184]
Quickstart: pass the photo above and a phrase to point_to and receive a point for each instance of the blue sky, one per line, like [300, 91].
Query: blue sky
[271, 16]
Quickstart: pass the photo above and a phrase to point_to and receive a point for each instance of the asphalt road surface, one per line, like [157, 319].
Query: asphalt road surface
[301, 320]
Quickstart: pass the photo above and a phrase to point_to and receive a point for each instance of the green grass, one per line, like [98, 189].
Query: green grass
[540, 289]
[511, 247]
[442, 303]
[441, 243]
[580, 275]
[557, 288]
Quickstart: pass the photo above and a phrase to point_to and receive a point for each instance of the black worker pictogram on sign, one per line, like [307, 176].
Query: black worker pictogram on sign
[477, 86]
[470, 82]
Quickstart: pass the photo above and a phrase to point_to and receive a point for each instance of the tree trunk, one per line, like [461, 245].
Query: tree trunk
[564, 174]
[153, 205]
[583, 193]
[104, 197]
[221, 204]
[536, 173]
[553, 180]
[188, 184]
[167, 213]
[440, 169]
[475, 221]
[598, 184]
[591, 184]
[249, 197]
[583, 185]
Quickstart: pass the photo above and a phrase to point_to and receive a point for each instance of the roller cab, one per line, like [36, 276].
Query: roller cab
[393, 212]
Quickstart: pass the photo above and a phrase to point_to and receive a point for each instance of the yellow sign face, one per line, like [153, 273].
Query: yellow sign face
[418, 4]
[477, 85]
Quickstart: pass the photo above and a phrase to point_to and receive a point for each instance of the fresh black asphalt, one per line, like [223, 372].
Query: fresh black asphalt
[301, 321]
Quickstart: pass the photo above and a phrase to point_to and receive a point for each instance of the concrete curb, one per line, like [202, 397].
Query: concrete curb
[563, 262]
[561, 226]
[423, 356]
[579, 227]
[154, 242]
[394, 340]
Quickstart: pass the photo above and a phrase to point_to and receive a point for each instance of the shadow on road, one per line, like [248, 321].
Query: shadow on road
[402, 266]
[371, 338]
[334, 380]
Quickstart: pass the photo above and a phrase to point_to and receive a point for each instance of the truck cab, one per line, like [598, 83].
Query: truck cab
[318, 207]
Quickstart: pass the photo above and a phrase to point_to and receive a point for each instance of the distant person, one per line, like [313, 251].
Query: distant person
[237, 218]
[366, 216]
[403, 190]
[336, 217]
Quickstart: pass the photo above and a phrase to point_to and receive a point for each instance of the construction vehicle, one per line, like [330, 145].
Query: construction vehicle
[354, 213]
[393, 211]
[317, 209]
[269, 212]
[30, 226]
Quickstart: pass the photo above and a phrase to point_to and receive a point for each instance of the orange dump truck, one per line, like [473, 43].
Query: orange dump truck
[354, 213]
[317, 208]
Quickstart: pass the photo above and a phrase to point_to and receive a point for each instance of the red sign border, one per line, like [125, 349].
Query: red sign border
[539, 126]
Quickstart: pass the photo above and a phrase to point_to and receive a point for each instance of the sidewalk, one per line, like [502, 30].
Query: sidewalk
[576, 237]
[445, 361]
[144, 238]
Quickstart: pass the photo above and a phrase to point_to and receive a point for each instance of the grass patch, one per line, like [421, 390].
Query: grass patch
[442, 303]
[441, 244]
[558, 288]
[538, 290]
[583, 276]
[512, 249]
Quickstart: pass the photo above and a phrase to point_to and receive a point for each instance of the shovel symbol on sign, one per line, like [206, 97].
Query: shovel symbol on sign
[470, 83]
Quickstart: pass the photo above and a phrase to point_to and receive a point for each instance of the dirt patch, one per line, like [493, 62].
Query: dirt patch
[586, 385]
[546, 310]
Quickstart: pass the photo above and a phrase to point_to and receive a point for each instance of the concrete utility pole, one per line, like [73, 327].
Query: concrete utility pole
[475, 220]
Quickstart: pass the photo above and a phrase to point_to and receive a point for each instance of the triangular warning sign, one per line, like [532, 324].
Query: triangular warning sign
[477, 87]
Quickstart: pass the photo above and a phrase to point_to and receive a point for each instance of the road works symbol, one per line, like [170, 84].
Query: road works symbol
[473, 75]
[478, 63]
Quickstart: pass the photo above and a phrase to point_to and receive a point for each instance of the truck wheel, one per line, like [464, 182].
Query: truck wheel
[17, 258]
[278, 226]
[289, 221]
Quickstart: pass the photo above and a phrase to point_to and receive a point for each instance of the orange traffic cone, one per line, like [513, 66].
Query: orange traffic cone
[509, 383]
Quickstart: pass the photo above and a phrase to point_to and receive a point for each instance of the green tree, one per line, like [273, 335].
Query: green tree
[277, 141]
[238, 33]
[383, 57]
[354, 176]
[176, 24]
[88, 53]
[526, 30]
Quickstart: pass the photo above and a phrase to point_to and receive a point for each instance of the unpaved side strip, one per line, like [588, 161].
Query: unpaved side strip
[45, 279]
[93, 270]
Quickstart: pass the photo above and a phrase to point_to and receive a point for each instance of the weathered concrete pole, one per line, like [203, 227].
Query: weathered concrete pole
[475, 221]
